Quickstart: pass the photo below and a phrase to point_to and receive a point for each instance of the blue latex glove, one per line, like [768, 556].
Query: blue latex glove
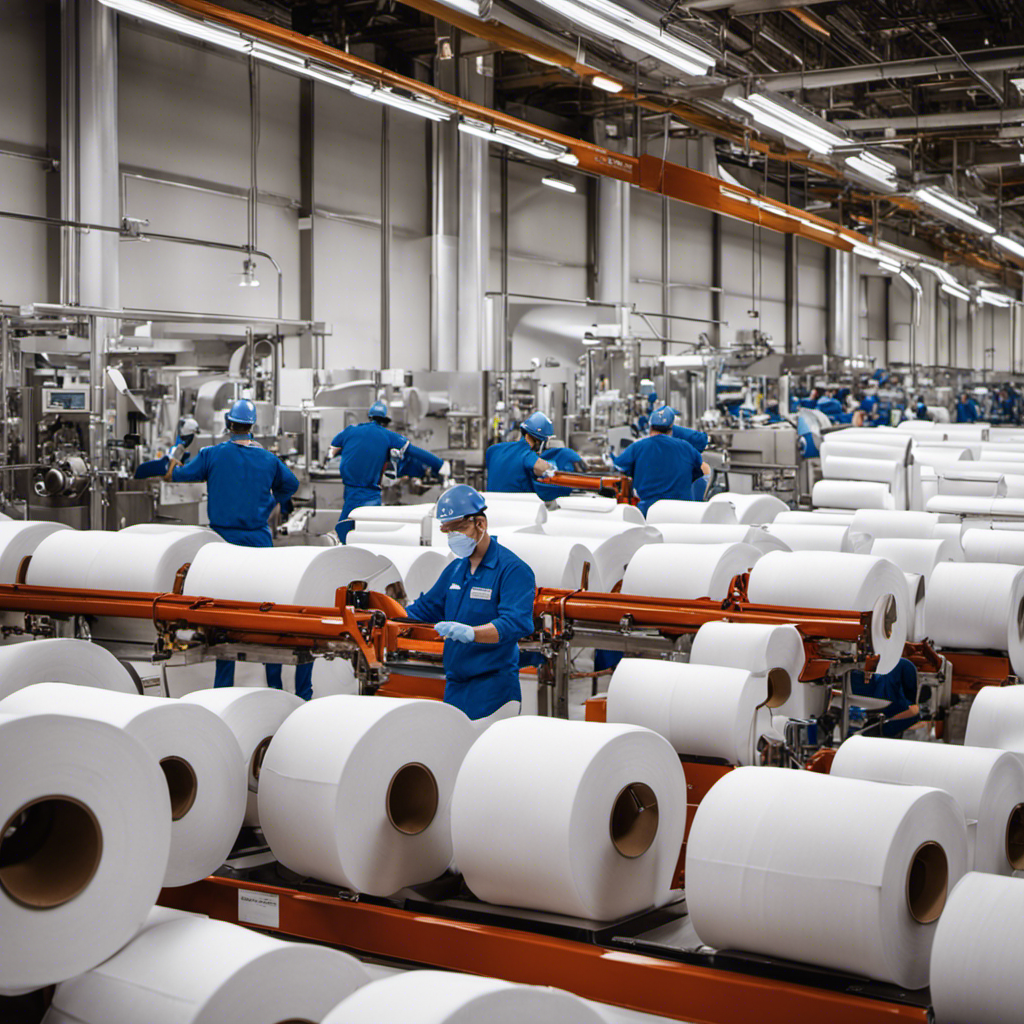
[456, 631]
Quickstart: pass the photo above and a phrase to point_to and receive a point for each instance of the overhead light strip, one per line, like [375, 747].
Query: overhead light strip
[196, 28]
[956, 291]
[953, 209]
[1010, 245]
[540, 148]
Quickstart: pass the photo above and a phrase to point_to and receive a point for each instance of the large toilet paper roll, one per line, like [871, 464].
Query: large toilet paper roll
[996, 718]
[555, 561]
[760, 865]
[837, 518]
[197, 753]
[975, 973]
[987, 784]
[978, 605]
[584, 505]
[852, 494]
[807, 537]
[253, 716]
[19, 539]
[669, 511]
[187, 969]
[612, 544]
[877, 523]
[357, 790]
[440, 997]
[688, 571]
[702, 710]
[913, 554]
[577, 818]
[829, 579]
[842, 467]
[1002, 546]
[84, 837]
[831, 448]
[62, 661]
[295, 575]
[505, 510]
[390, 534]
[720, 533]
[751, 509]
[418, 568]
[992, 485]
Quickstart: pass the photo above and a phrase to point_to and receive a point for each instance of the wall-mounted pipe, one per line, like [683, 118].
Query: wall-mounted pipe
[959, 119]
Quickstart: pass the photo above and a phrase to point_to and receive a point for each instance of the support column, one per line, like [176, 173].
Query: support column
[842, 306]
[385, 238]
[307, 202]
[613, 270]
[792, 253]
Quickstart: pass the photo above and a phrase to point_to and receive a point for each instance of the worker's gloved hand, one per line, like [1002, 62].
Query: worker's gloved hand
[456, 631]
[607, 459]
[446, 470]
[548, 473]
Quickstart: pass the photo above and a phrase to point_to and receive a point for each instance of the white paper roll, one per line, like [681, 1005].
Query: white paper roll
[1004, 546]
[19, 539]
[877, 523]
[962, 504]
[975, 973]
[852, 494]
[62, 661]
[294, 575]
[878, 436]
[555, 561]
[978, 605]
[577, 818]
[440, 997]
[981, 484]
[833, 446]
[841, 467]
[776, 652]
[612, 544]
[912, 554]
[815, 518]
[751, 509]
[192, 970]
[1001, 453]
[667, 511]
[408, 514]
[585, 505]
[391, 534]
[720, 533]
[987, 784]
[418, 568]
[196, 751]
[830, 579]
[996, 718]
[806, 537]
[688, 571]
[943, 458]
[509, 512]
[357, 790]
[759, 867]
[86, 832]
[253, 716]
[702, 710]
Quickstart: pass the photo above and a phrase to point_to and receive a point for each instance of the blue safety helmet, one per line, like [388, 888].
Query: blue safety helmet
[243, 411]
[663, 417]
[539, 426]
[379, 411]
[458, 502]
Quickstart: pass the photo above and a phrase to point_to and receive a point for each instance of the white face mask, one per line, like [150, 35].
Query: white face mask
[460, 545]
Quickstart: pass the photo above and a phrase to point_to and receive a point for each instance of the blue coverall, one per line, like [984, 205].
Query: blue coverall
[697, 438]
[661, 466]
[365, 451]
[243, 484]
[419, 462]
[565, 460]
[899, 687]
[966, 412]
[480, 678]
[510, 467]
[155, 467]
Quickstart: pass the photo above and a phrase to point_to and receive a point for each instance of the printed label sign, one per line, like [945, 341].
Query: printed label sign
[262, 908]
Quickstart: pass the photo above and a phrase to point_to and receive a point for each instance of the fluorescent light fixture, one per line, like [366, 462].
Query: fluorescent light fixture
[956, 291]
[186, 26]
[607, 84]
[1010, 244]
[1019, 83]
[540, 148]
[249, 279]
[911, 281]
[330, 76]
[995, 298]
[805, 129]
[892, 268]
[559, 183]
[286, 59]
[813, 226]
[878, 171]
[952, 208]
[618, 24]
[940, 272]
[421, 107]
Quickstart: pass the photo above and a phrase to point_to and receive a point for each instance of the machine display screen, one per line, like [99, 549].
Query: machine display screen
[69, 401]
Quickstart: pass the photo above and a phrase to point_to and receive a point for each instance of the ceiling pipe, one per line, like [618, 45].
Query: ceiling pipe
[951, 120]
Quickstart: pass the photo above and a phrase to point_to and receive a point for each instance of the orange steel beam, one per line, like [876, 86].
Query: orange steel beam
[620, 486]
[702, 995]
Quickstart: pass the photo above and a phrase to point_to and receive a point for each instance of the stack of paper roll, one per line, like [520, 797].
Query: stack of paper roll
[720, 533]
[19, 539]
[996, 718]
[555, 561]
[890, 472]
[775, 652]
[197, 753]
[827, 537]
[356, 791]
[1003, 546]
[294, 575]
[978, 606]
[668, 511]
[612, 544]
[688, 571]
[186, 969]
[417, 569]
[62, 661]
[702, 710]
[577, 818]
[86, 832]
[441, 997]
[975, 975]
[987, 784]
[833, 580]
[760, 866]
[751, 509]
[582, 505]
[253, 716]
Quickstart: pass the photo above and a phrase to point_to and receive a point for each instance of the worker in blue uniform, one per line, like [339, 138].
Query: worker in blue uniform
[365, 449]
[513, 466]
[899, 687]
[830, 406]
[966, 409]
[244, 484]
[483, 606]
[921, 409]
[187, 430]
[564, 460]
[662, 466]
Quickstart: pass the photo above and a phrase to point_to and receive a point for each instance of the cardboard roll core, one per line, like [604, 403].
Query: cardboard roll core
[50, 849]
[1020, 619]
[634, 820]
[927, 882]
[182, 785]
[256, 762]
[780, 686]
[296, 1020]
[887, 608]
[1015, 838]
[411, 800]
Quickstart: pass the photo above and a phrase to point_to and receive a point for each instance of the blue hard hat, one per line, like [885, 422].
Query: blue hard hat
[243, 411]
[459, 502]
[663, 417]
[378, 411]
[539, 426]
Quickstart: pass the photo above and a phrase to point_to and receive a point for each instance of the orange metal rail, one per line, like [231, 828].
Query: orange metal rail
[616, 486]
